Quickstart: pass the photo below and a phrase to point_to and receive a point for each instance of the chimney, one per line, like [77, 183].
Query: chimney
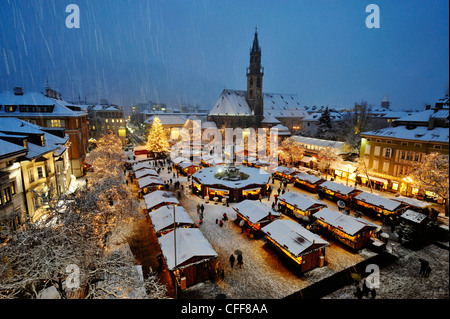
[18, 90]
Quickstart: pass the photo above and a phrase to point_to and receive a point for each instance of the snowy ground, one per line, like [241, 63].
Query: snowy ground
[401, 280]
[263, 274]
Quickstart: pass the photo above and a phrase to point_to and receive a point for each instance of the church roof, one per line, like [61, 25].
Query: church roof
[232, 102]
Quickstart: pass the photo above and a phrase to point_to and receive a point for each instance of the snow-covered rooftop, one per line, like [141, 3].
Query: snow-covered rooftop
[162, 217]
[190, 243]
[156, 198]
[337, 187]
[348, 224]
[254, 211]
[379, 201]
[312, 179]
[169, 120]
[232, 102]
[300, 201]
[149, 180]
[414, 216]
[141, 165]
[293, 237]
[420, 133]
[256, 176]
[411, 201]
[145, 172]
[59, 108]
[51, 142]
[9, 149]
[318, 142]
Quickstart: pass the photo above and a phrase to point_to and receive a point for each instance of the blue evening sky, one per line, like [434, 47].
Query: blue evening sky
[185, 51]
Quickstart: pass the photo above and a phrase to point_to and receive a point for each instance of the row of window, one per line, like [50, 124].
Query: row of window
[417, 145]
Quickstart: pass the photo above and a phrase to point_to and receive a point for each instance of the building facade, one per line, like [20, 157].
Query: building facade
[390, 153]
[48, 110]
[106, 118]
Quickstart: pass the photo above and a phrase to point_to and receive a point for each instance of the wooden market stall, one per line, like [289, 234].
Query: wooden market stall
[336, 191]
[413, 225]
[163, 219]
[286, 173]
[150, 183]
[159, 198]
[255, 214]
[378, 205]
[194, 260]
[141, 165]
[188, 168]
[213, 182]
[308, 182]
[353, 232]
[299, 205]
[145, 172]
[300, 247]
[415, 204]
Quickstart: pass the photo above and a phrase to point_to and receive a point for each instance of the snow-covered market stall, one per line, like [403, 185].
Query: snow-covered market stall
[299, 205]
[145, 172]
[307, 181]
[188, 255]
[413, 225]
[300, 247]
[150, 183]
[351, 231]
[336, 191]
[157, 199]
[163, 219]
[254, 214]
[234, 183]
[375, 204]
[285, 173]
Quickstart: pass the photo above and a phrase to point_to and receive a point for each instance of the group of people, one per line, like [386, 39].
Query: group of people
[240, 260]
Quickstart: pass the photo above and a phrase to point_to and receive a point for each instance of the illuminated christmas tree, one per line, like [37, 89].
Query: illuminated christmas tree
[157, 140]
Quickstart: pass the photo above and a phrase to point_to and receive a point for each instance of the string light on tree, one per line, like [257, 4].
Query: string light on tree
[157, 141]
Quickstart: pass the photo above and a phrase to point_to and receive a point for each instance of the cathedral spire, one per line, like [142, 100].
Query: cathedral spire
[255, 47]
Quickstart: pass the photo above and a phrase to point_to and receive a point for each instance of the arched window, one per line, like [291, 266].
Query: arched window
[251, 82]
[258, 82]
[251, 93]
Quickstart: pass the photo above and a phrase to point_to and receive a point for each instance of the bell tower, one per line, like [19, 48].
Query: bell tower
[255, 74]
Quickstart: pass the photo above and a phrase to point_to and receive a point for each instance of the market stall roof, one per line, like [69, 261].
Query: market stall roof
[337, 187]
[162, 217]
[286, 170]
[207, 176]
[380, 201]
[254, 211]
[187, 164]
[312, 179]
[300, 201]
[145, 172]
[344, 166]
[293, 237]
[191, 246]
[306, 159]
[141, 165]
[149, 180]
[413, 216]
[159, 197]
[348, 224]
[411, 202]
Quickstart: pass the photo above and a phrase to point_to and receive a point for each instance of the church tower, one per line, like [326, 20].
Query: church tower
[255, 74]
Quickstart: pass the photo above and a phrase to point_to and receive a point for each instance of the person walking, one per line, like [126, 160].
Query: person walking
[240, 260]
[232, 259]
[202, 208]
